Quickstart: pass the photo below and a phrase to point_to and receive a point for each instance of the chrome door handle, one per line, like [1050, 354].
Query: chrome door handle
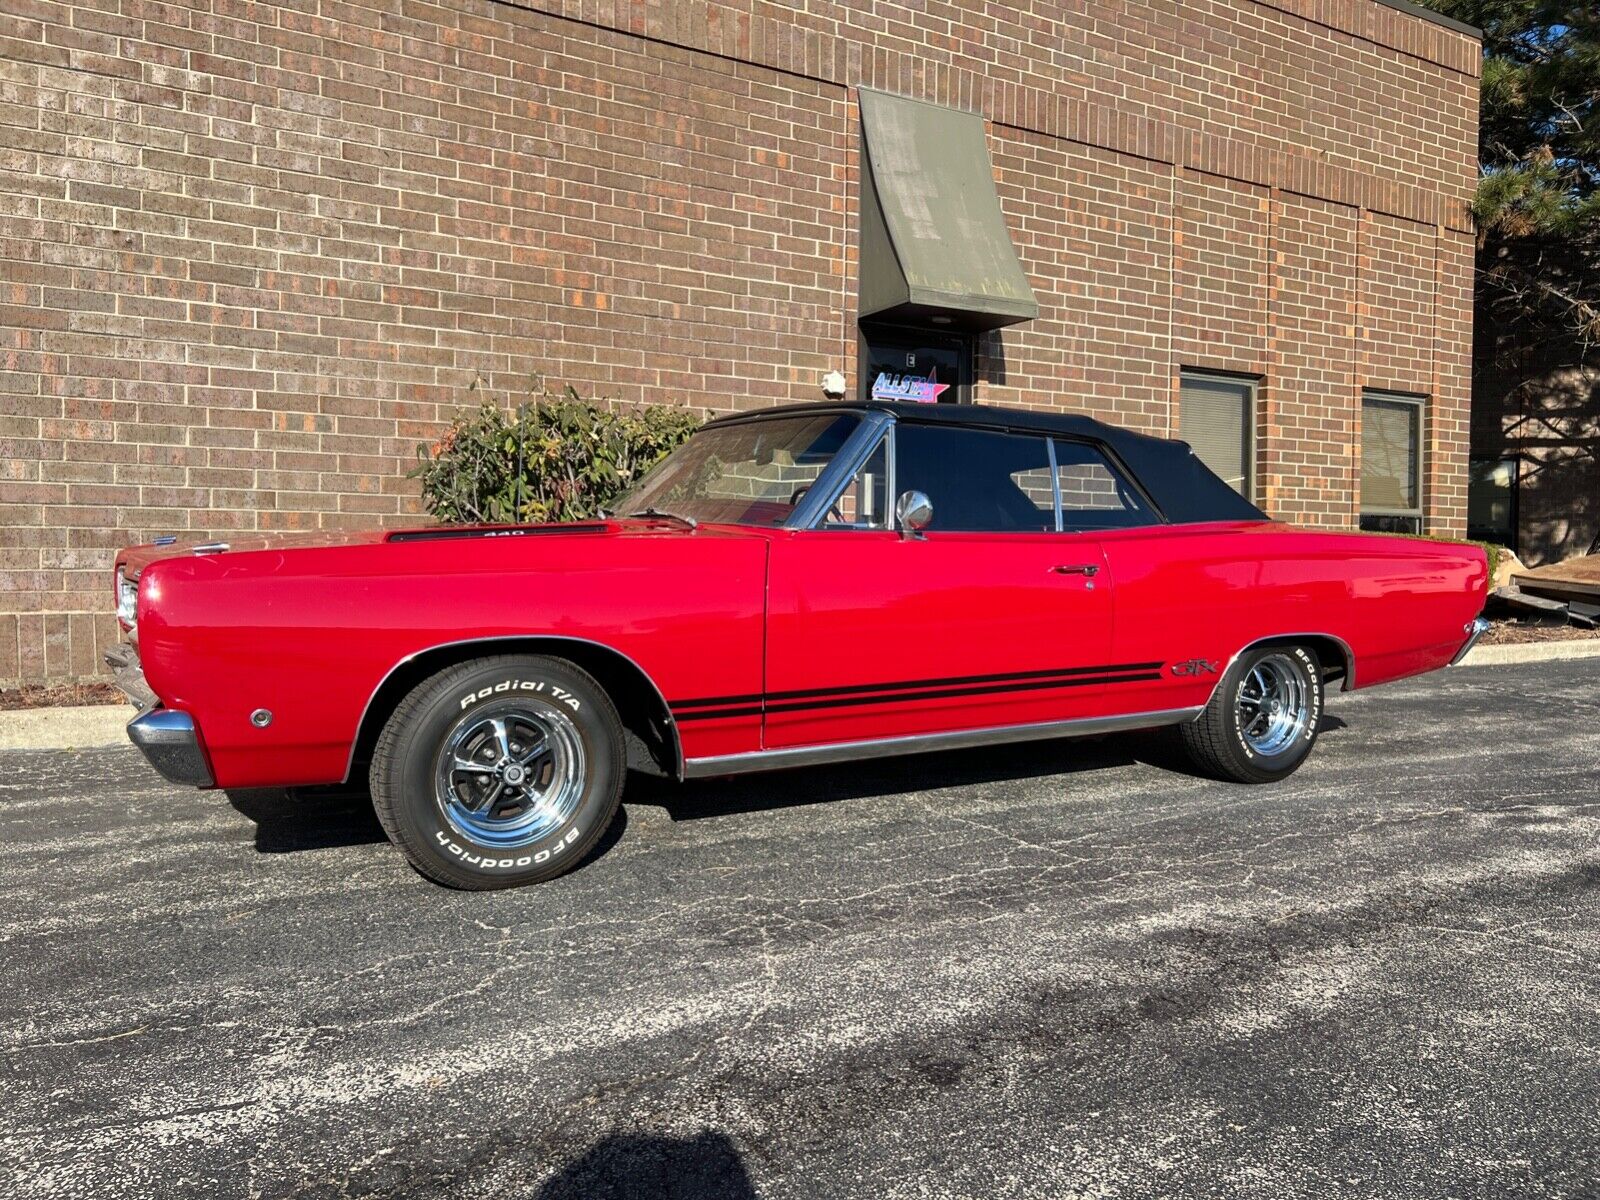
[1077, 569]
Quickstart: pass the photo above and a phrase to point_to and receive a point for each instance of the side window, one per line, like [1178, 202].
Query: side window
[1094, 495]
[863, 503]
[979, 481]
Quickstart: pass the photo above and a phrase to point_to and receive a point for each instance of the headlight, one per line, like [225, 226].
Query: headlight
[127, 599]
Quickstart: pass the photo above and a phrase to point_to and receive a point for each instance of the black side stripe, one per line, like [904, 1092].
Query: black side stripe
[947, 681]
[709, 714]
[942, 693]
[894, 693]
[715, 702]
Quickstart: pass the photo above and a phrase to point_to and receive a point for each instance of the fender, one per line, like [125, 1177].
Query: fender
[508, 643]
[1347, 684]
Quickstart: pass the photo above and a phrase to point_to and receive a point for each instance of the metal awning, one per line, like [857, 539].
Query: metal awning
[933, 239]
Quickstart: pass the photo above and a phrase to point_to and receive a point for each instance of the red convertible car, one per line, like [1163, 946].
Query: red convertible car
[800, 585]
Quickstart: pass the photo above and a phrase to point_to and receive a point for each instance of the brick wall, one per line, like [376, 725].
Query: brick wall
[252, 252]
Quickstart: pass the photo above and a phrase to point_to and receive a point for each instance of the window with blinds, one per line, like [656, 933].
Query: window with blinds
[1217, 417]
[1391, 463]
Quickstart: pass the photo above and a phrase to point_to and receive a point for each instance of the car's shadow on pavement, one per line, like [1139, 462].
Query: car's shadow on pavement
[875, 777]
[330, 817]
[308, 818]
[1159, 748]
[323, 818]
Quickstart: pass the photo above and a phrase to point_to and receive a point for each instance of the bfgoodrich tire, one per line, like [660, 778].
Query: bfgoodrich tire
[499, 772]
[1262, 720]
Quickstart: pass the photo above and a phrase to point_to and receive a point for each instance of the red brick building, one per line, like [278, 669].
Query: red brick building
[253, 251]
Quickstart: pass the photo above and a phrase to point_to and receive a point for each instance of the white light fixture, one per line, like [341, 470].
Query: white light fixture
[833, 385]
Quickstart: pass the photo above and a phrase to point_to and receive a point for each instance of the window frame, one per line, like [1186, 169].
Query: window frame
[873, 428]
[1419, 405]
[881, 438]
[1118, 471]
[811, 513]
[1048, 439]
[1252, 385]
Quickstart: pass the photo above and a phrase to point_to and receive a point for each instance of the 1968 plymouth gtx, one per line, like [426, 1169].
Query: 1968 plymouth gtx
[801, 585]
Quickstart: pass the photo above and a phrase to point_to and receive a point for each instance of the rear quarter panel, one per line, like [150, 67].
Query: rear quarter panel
[310, 634]
[1205, 592]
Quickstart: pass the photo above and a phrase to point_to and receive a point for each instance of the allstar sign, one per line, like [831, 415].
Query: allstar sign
[888, 386]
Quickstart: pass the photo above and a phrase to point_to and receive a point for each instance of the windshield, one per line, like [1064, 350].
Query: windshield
[753, 473]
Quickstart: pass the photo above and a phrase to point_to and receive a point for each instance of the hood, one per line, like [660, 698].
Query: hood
[134, 559]
[137, 558]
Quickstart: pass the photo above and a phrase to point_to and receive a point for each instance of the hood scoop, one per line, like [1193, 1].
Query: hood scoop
[463, 532]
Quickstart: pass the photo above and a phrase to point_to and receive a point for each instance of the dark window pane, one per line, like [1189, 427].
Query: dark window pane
[978, 481]
[1492, 501]
[1094, 495]
[1383, 523]
[1215, 416]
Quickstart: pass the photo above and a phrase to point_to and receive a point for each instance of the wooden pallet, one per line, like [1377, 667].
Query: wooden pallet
[1576, 579]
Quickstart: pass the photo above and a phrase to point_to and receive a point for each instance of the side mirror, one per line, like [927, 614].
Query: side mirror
[913, 512]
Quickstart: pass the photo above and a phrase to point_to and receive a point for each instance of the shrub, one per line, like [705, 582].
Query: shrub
[552, 458]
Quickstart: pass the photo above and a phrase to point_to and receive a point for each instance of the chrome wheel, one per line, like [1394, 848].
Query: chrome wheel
[1273, 705]
[509, 773]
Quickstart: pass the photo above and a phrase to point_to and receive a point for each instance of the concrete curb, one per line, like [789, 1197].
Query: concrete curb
[1499, 656]
[65, 728]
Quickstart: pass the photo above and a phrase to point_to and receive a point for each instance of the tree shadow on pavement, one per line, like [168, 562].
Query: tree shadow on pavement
[632, 1166]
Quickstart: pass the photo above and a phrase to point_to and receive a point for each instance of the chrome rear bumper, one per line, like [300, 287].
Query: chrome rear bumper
[1474, 630]
[168, 739]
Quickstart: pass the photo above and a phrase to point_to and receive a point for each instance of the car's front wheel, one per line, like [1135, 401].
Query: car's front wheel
[499, 772]
[1262, 719]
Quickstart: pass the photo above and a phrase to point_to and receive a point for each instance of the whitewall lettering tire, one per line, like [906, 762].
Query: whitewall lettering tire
[1262, 720]
[499, 772]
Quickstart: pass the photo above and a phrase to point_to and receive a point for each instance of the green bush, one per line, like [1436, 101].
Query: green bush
[552, 458]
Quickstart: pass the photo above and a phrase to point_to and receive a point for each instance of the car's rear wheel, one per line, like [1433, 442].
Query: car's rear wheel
[1262, 719]
[499, 772]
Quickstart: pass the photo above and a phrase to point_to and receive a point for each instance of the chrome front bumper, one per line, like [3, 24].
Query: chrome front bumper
[1474, 630]
[165, 736]
[168, 739]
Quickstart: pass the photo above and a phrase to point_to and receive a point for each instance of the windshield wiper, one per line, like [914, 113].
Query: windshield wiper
[653, 511]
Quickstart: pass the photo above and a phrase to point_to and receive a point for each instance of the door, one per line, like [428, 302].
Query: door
[991, 617]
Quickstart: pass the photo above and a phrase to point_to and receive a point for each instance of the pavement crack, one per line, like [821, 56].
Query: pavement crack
[88, 1041]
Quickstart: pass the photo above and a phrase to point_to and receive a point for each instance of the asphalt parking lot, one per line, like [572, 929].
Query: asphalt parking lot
[1061, 970]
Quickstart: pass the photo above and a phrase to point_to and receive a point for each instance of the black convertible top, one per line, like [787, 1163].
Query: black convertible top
[1184, 488]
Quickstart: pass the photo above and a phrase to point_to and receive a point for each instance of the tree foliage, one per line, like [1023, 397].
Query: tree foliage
[551, 458]
[1538, 200]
